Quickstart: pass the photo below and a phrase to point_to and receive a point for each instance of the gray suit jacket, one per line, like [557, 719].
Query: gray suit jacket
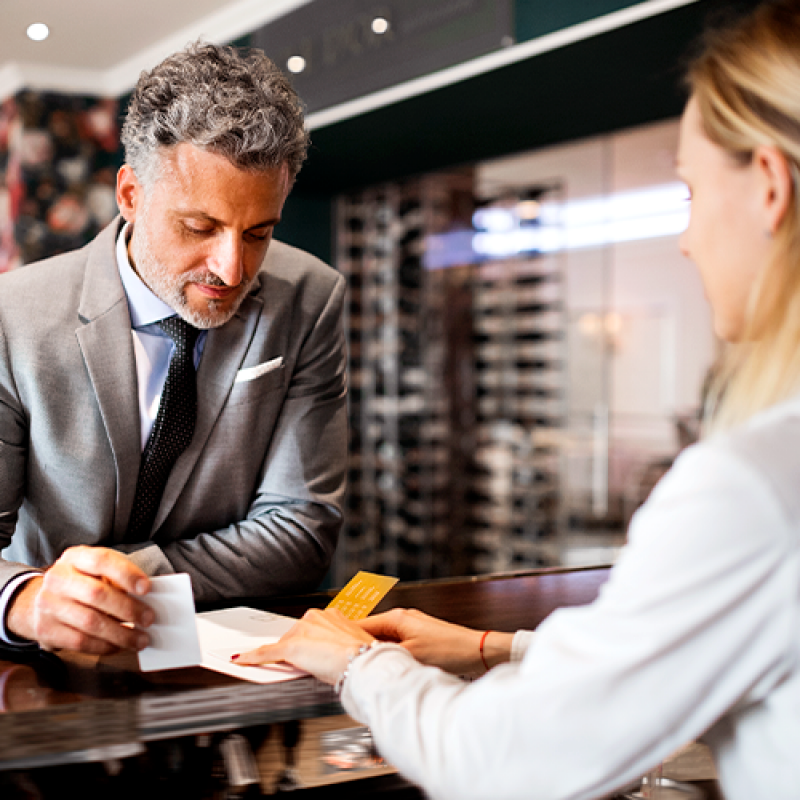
[254, 505]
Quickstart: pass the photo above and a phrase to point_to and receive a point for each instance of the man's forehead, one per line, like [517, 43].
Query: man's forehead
[173, 157]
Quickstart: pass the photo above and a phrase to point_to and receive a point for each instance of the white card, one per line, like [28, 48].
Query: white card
[173, 635]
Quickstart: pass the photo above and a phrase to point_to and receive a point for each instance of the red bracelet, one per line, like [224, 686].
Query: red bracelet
[483, 641]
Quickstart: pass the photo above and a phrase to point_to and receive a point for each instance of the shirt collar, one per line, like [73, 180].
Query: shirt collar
[144, 307]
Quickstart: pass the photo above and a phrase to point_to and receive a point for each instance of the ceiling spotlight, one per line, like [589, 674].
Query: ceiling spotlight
[380, 25]
[296, 64]
[38, 31]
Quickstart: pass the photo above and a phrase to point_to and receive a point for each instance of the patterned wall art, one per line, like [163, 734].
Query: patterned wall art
[10, 186]
[59, 155]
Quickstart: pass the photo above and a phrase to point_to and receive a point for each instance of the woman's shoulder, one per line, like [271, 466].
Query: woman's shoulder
[766, 449]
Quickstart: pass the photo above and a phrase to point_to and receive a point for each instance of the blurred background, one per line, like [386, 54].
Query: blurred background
[527, 347]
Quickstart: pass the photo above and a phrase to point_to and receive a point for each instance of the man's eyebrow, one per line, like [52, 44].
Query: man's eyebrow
[194, 212]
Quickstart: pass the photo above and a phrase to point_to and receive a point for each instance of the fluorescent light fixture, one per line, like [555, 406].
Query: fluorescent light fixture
[296, 64]
[593, 222]
[528, 209]
[38, 31]
[496, 220]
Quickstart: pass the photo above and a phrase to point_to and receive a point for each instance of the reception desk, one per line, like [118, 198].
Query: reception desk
[101, 725]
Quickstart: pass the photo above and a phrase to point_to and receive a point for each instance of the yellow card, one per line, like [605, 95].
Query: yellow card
[362, 594]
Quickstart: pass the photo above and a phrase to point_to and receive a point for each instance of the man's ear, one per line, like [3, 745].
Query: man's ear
[129, 192]
[775, 177]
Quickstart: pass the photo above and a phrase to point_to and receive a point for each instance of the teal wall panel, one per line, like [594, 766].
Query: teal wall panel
[307, 223]
[539, 17]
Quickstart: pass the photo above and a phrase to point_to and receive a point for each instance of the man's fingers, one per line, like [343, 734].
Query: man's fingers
[90, 624]
[65, 581]
[61, 637]
[83, 603]
[110, 565]
[64, 619]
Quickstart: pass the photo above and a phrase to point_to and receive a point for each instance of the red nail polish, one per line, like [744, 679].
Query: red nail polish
[235, 656]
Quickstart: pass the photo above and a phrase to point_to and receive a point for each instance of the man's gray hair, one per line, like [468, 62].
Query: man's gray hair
[236, 104]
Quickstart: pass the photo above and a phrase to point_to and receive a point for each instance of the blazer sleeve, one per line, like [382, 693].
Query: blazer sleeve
[13, 459]
[286, 542]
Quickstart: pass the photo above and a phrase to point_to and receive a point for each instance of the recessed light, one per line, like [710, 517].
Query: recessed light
[296, 64]
[380, 25]
[38, 31]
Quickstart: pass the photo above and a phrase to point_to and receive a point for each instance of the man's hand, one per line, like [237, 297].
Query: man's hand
[86, 601]
[438, 643]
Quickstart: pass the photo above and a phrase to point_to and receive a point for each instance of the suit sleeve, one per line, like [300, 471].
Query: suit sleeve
[13, 460]
[287, 539]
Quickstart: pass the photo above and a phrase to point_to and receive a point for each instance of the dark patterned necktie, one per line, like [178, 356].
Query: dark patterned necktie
[172, 430]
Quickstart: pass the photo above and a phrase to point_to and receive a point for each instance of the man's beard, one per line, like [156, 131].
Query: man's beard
[172, 289]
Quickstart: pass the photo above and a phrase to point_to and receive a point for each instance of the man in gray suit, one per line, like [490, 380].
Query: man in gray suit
[213, 141]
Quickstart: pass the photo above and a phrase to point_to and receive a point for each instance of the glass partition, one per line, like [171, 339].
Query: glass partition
[527, 351]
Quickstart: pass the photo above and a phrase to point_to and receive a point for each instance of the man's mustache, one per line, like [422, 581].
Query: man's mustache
[209, 279]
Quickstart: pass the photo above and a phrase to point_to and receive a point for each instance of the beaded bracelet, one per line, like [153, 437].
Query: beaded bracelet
[339, 685]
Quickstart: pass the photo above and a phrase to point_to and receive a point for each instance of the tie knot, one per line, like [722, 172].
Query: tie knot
[180, 331]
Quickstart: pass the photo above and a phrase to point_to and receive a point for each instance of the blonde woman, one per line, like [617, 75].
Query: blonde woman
[697, 633]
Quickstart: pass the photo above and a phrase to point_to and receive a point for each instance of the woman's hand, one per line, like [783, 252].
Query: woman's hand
[320, 643]
[438, 643]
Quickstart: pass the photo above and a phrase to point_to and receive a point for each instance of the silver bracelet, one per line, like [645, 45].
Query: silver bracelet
[364, 648]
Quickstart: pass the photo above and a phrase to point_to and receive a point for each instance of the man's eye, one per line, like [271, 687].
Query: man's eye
[259, 236]
[198, 230]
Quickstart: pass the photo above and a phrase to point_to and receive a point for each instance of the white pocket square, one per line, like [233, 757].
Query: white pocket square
[251, 373]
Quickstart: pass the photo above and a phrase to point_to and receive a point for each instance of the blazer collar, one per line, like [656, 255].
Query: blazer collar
[102, 289]
[105, 341]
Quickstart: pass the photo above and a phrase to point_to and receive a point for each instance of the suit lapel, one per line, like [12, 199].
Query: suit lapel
[105, 340]
[224, 352]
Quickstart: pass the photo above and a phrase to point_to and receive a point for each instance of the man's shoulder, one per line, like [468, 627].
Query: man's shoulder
[41, 272]
[51, 274]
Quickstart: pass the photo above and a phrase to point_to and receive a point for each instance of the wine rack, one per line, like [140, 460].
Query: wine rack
[456, 393]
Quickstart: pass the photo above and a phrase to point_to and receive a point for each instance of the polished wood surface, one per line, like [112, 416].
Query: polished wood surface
[505, 603]
[500, 602]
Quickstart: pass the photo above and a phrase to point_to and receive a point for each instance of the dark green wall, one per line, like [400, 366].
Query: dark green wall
[539, 17]
[307, 222]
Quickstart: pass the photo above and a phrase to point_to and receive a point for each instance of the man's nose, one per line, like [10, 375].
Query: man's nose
[227, 261]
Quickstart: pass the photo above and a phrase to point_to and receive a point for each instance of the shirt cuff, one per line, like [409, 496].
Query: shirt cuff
[7, 592]
[520, 643]
[389, 652]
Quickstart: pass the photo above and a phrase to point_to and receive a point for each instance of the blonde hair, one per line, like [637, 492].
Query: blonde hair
[747, 86]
